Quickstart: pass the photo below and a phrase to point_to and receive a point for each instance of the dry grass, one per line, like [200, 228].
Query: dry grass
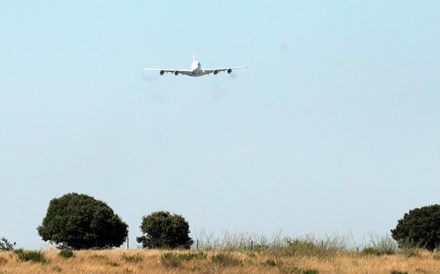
[263, 261]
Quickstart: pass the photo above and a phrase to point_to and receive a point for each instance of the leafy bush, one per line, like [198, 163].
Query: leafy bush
[419, 227]
[66, 253]
[33, 256]
[224, 259]
[79, 221]
[6, 245]
[163, 230]
[398, 272]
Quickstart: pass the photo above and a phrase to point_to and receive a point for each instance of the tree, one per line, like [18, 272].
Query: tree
[6, 245]
[163, 230]
[79, 221]
[419, 227]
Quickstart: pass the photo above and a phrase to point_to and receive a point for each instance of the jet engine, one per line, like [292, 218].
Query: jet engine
[229, 71]
[215, 72]
[162, 72]
[176, 73]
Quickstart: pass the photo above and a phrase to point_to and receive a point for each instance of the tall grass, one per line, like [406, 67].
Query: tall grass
[308, 258]
[132, 258]
[226, 259]
[278, 244]
[232, 241]
[171, 259]
[380, 246]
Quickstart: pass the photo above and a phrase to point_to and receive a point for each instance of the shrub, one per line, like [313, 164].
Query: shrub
[163, 230]
[419, 227]
[66, 253]
[192, 256]
[170, 260]
[79, 221]
[6, 245]
[33, 256]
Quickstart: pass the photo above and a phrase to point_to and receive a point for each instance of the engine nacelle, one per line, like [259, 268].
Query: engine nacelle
[162, 72]
[229, 71]
[176, 73]
[215, 72]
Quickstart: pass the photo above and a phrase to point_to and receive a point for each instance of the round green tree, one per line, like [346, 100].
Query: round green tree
[163, 230]
[79, 221]
[419, 227]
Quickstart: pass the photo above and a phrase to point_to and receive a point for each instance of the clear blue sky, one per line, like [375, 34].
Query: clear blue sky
[334, 127]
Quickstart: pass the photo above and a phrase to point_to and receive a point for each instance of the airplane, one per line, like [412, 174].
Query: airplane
[195, 71]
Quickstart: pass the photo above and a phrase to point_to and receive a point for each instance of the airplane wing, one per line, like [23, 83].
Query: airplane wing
[173, 71]
[217, 70]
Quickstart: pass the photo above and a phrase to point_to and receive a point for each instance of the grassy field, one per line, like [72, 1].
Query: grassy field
[217, 261]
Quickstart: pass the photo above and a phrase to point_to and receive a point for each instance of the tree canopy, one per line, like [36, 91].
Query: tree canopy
[419, 227]
[164, 230]
[79, 221]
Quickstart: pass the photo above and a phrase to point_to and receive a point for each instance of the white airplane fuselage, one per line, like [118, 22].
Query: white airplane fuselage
[196, 70]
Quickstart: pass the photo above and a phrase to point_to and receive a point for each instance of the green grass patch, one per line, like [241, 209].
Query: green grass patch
[225, 259]
[192, 256]
[174, 259]
[383, 245]
[310, 248]
[132, 258]
[371, 251]
[170, 260]
[31, 256]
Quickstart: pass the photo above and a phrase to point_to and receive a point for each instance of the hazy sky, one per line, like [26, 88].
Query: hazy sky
[334, 127]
